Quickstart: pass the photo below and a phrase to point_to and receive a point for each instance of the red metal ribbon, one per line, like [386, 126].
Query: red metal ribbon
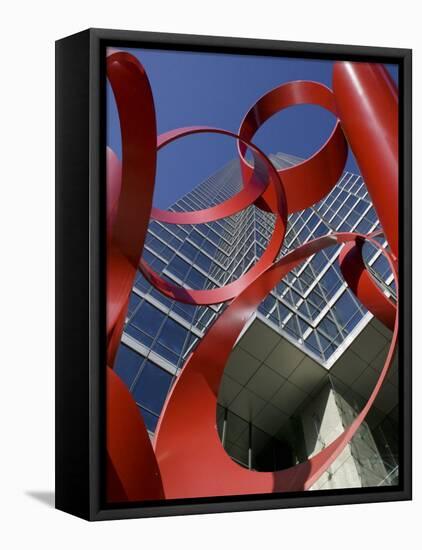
[189, 460]
[192, 460]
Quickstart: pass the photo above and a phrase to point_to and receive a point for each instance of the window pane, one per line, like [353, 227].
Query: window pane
[186, 311]
[195, 279]
[127, 364]
[134, 301]
[149, 419]
[188, 250]
[151, 387]
[141, 282]
[179, 267]
[139, 335]
[148, 319]
[203, 261]
[346, 310]
[173, 336]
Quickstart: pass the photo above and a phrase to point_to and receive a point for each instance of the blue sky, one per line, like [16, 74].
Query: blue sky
[192, 89]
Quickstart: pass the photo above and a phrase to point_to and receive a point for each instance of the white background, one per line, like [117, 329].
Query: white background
[27, 272]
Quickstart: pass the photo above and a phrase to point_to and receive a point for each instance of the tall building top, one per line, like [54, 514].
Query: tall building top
[312, 306]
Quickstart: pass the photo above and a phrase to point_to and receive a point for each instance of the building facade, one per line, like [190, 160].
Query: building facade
[308, 359]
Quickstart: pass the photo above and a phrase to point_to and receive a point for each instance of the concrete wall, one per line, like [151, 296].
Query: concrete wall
[359, 464]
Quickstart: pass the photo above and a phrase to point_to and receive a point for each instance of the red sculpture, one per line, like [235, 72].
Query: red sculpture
[367, 105]
[187, 458]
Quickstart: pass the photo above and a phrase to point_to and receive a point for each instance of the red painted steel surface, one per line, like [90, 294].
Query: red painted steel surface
[323, 168]
[188, 459]
[132, 470]
[188, 442]
[367, 105]
[131, 460]
[362, 284]
[262, 176]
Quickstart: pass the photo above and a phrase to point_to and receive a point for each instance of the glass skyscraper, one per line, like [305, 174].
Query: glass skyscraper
[311, 312]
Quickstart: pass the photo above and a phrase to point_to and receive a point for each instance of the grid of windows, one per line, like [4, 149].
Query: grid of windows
[312, 304]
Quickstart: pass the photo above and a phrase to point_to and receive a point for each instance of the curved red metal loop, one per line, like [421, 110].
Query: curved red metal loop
[226, 292]
[132, 465]
[187, 442]
[132, 471]
[262, 174]
[309, 181]
[138, 128]
[189, 459]
[114, 183]
[362, 284]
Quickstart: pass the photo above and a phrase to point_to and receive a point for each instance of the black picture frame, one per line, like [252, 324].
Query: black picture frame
[80, 271]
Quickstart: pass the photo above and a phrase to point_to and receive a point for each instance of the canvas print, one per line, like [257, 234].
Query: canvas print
[252, 275]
